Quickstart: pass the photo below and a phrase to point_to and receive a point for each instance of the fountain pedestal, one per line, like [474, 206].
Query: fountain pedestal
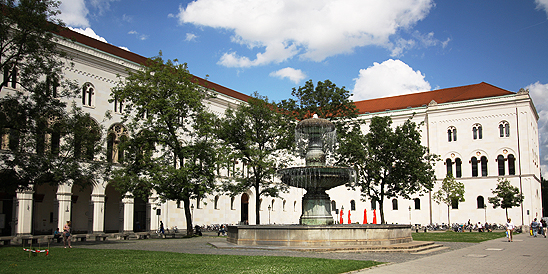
[316, 209]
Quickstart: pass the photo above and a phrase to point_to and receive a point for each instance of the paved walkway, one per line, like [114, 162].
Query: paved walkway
[524, 255]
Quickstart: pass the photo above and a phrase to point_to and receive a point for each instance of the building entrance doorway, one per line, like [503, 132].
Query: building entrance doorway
[245, 209]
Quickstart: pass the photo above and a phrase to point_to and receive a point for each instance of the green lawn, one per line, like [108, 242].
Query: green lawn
[59, 260]
[450, 236]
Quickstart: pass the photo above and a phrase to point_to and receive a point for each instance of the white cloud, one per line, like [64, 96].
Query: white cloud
[101, 5]
[294, 75]
[90, 33]
[74, 13]
[309, 29]
[542, 5]
[138, 35]
[539, 94]
[191, 37]
[390, 78]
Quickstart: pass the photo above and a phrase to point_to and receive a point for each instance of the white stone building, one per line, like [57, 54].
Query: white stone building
[480, 131]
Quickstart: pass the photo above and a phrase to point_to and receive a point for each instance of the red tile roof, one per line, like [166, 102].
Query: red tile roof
[447, 95]
[128, 55]
[477, 91]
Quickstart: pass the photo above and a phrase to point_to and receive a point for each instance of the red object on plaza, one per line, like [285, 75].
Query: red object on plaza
[349, 217]
[341, 220]
[365, 216]
[374, 216]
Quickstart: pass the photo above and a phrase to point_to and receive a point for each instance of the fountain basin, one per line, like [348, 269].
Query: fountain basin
[321, 177]
[320, 235]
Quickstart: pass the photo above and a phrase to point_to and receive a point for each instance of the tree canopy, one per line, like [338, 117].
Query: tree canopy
[450, 192]
[260, 136]
[390, 162]
[506, 195]
[172, 146]
[48, 141]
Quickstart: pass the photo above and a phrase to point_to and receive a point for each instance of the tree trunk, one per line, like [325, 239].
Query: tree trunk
[449, 215]
[506, 209]
[188, 216]
[257, 205]
[381, 209]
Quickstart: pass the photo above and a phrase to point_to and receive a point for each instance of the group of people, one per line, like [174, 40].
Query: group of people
[538, 228]
[66, 234]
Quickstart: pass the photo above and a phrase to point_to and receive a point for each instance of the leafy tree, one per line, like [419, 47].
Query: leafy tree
[506, 196]
[333, 103]
[450, 192]
[172, 148]
[390, 162]
[257, 134]
[38, 128]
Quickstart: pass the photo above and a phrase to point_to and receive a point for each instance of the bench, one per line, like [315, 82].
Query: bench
[25, 240]
[51, 238]
[122, 236]
[143, 235]
[98, 237]
[6, 240]
[80, 237]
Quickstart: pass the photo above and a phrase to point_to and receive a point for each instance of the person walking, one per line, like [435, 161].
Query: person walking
[66, 234]
[510, 229]
[534, 227]
[544, 229]
[162, 229]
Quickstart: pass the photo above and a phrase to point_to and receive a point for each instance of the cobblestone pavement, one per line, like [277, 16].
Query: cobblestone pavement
[525, 254]
[200, 245]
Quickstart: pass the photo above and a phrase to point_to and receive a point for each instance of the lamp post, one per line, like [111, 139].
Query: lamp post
[269, 208]
[192, 213]
[409, 214]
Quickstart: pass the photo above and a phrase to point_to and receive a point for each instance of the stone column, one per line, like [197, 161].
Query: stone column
[98, 213]
[127, 211]
[64, 196]
[24, 212]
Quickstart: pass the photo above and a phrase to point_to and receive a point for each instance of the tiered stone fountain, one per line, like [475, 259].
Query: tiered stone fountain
[315, 139]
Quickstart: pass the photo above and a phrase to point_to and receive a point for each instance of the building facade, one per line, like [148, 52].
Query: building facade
[481, 132]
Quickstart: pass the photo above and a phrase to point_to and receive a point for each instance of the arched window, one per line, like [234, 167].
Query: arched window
[483, 166]
[452, 134]
[272, 205]
[373, 204]
[333, 205]
[449, 166]
[504, 129]
[260, 204]
[283, 205]
[458, 167]
[417, 203]
[477, 132]
[500, 162]
[118, 105]
[294, 206]
[88, 91]
[480, 202]
[232, 203]
[216, 202]
[352, 205]
[394, 204]
[511, 165]
[455, 203]
[87, 135]
[474, 162]
[117, 135]
[10, 73]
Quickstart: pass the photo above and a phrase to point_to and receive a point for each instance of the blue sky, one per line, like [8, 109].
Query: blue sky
[373, 48]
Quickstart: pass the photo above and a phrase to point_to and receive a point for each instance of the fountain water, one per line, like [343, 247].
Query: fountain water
[315, 139]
